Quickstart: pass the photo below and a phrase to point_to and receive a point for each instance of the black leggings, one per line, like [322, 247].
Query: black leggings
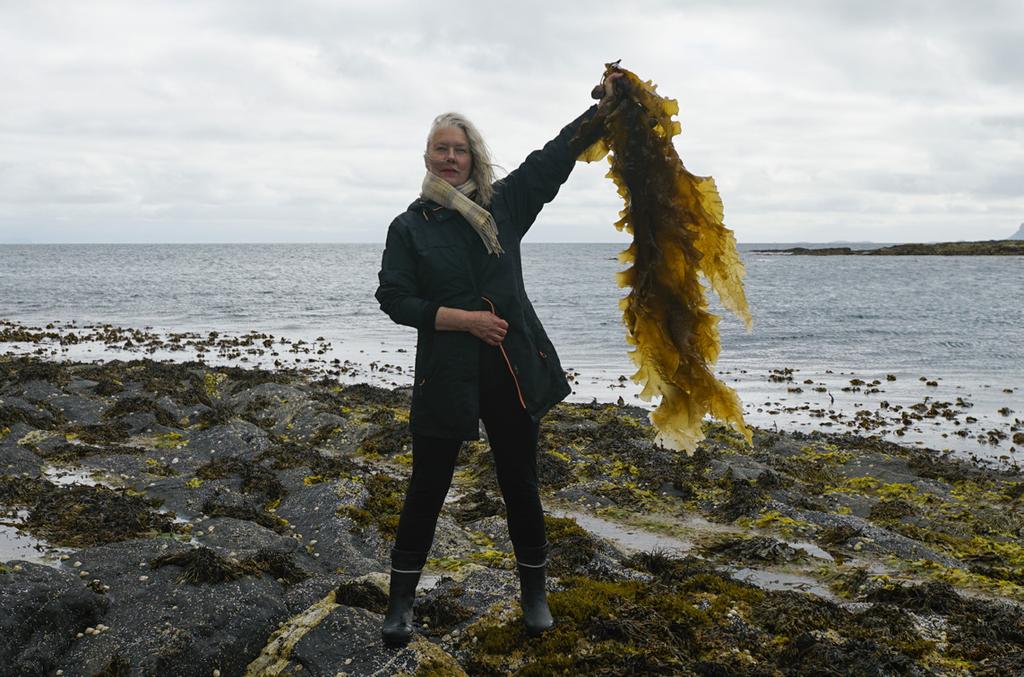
[513, 437]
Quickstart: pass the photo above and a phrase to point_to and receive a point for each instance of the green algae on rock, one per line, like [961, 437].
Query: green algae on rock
[675, 218]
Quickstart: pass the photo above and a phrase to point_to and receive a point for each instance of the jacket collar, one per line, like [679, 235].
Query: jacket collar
[430, 210]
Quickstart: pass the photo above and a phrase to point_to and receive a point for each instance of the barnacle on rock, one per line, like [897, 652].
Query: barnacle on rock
[675, 218]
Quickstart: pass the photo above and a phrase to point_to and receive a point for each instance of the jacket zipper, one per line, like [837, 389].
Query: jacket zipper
[507, 362]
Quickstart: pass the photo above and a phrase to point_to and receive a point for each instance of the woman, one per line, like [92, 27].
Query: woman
[451, 268]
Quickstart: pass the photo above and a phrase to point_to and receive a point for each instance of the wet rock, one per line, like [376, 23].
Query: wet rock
[38, 391]
[237, 439]
[15, 459]
[82, 410]
[81, 385]
[736, 469]
[162, 626]
[15, 410]
[43, 609]
[245, 537]
[347, 640]
[871, 538]
[305, 593]
[265, 396]
[138, 423]
[313, 512]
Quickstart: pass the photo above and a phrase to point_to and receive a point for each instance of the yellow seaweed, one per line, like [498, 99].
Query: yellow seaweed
[676, 219]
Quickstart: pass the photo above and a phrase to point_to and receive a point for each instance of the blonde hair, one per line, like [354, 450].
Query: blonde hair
[482, 172]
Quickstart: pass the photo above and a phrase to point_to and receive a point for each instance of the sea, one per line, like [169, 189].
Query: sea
[836, 340]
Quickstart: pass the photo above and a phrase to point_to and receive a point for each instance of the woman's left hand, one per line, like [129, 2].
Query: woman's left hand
[610, 94]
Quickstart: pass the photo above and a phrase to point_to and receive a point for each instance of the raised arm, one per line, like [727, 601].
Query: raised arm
[536, 181]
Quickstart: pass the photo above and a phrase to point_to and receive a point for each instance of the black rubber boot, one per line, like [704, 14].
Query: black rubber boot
[405, 575]
[532, 566]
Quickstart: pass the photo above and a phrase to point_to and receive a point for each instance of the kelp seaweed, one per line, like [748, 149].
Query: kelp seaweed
[675, 218]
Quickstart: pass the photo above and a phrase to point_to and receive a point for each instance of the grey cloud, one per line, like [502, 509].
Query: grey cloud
[306, 120]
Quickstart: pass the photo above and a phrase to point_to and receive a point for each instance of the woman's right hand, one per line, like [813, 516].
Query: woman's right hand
[486, 326]
[482, 324]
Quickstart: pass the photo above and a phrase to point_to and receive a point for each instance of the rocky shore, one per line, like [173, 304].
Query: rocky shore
[984, 248]
[183, 519]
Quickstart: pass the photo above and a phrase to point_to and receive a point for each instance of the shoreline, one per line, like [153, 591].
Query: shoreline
[970, 417]
[254, 509]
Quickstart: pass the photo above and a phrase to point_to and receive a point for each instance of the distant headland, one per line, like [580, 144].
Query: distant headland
[1012, 247]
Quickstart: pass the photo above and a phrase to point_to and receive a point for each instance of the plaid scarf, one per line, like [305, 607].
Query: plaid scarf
[457, 197]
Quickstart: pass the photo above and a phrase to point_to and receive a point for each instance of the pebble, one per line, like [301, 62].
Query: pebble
[216, 673]
[143, 578]
[77, 564]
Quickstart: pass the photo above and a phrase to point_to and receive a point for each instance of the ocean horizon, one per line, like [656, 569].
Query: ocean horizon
[904, 322]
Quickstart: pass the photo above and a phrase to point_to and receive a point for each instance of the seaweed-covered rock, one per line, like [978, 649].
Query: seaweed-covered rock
[757, 549]
[17, 410]
[293, 512]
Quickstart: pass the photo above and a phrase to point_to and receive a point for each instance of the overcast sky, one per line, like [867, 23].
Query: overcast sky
[305, 121]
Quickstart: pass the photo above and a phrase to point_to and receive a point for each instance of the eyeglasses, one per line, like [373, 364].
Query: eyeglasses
[442, 150]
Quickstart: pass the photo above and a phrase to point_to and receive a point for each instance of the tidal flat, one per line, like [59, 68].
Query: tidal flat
[188, 519]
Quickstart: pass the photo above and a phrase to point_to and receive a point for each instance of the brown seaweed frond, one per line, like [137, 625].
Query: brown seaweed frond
[203, 565]
[676, 219]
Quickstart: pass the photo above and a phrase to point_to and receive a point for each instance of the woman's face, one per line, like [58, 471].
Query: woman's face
[448, 155]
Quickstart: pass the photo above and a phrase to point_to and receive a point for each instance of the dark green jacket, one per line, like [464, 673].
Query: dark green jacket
[434, 258]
